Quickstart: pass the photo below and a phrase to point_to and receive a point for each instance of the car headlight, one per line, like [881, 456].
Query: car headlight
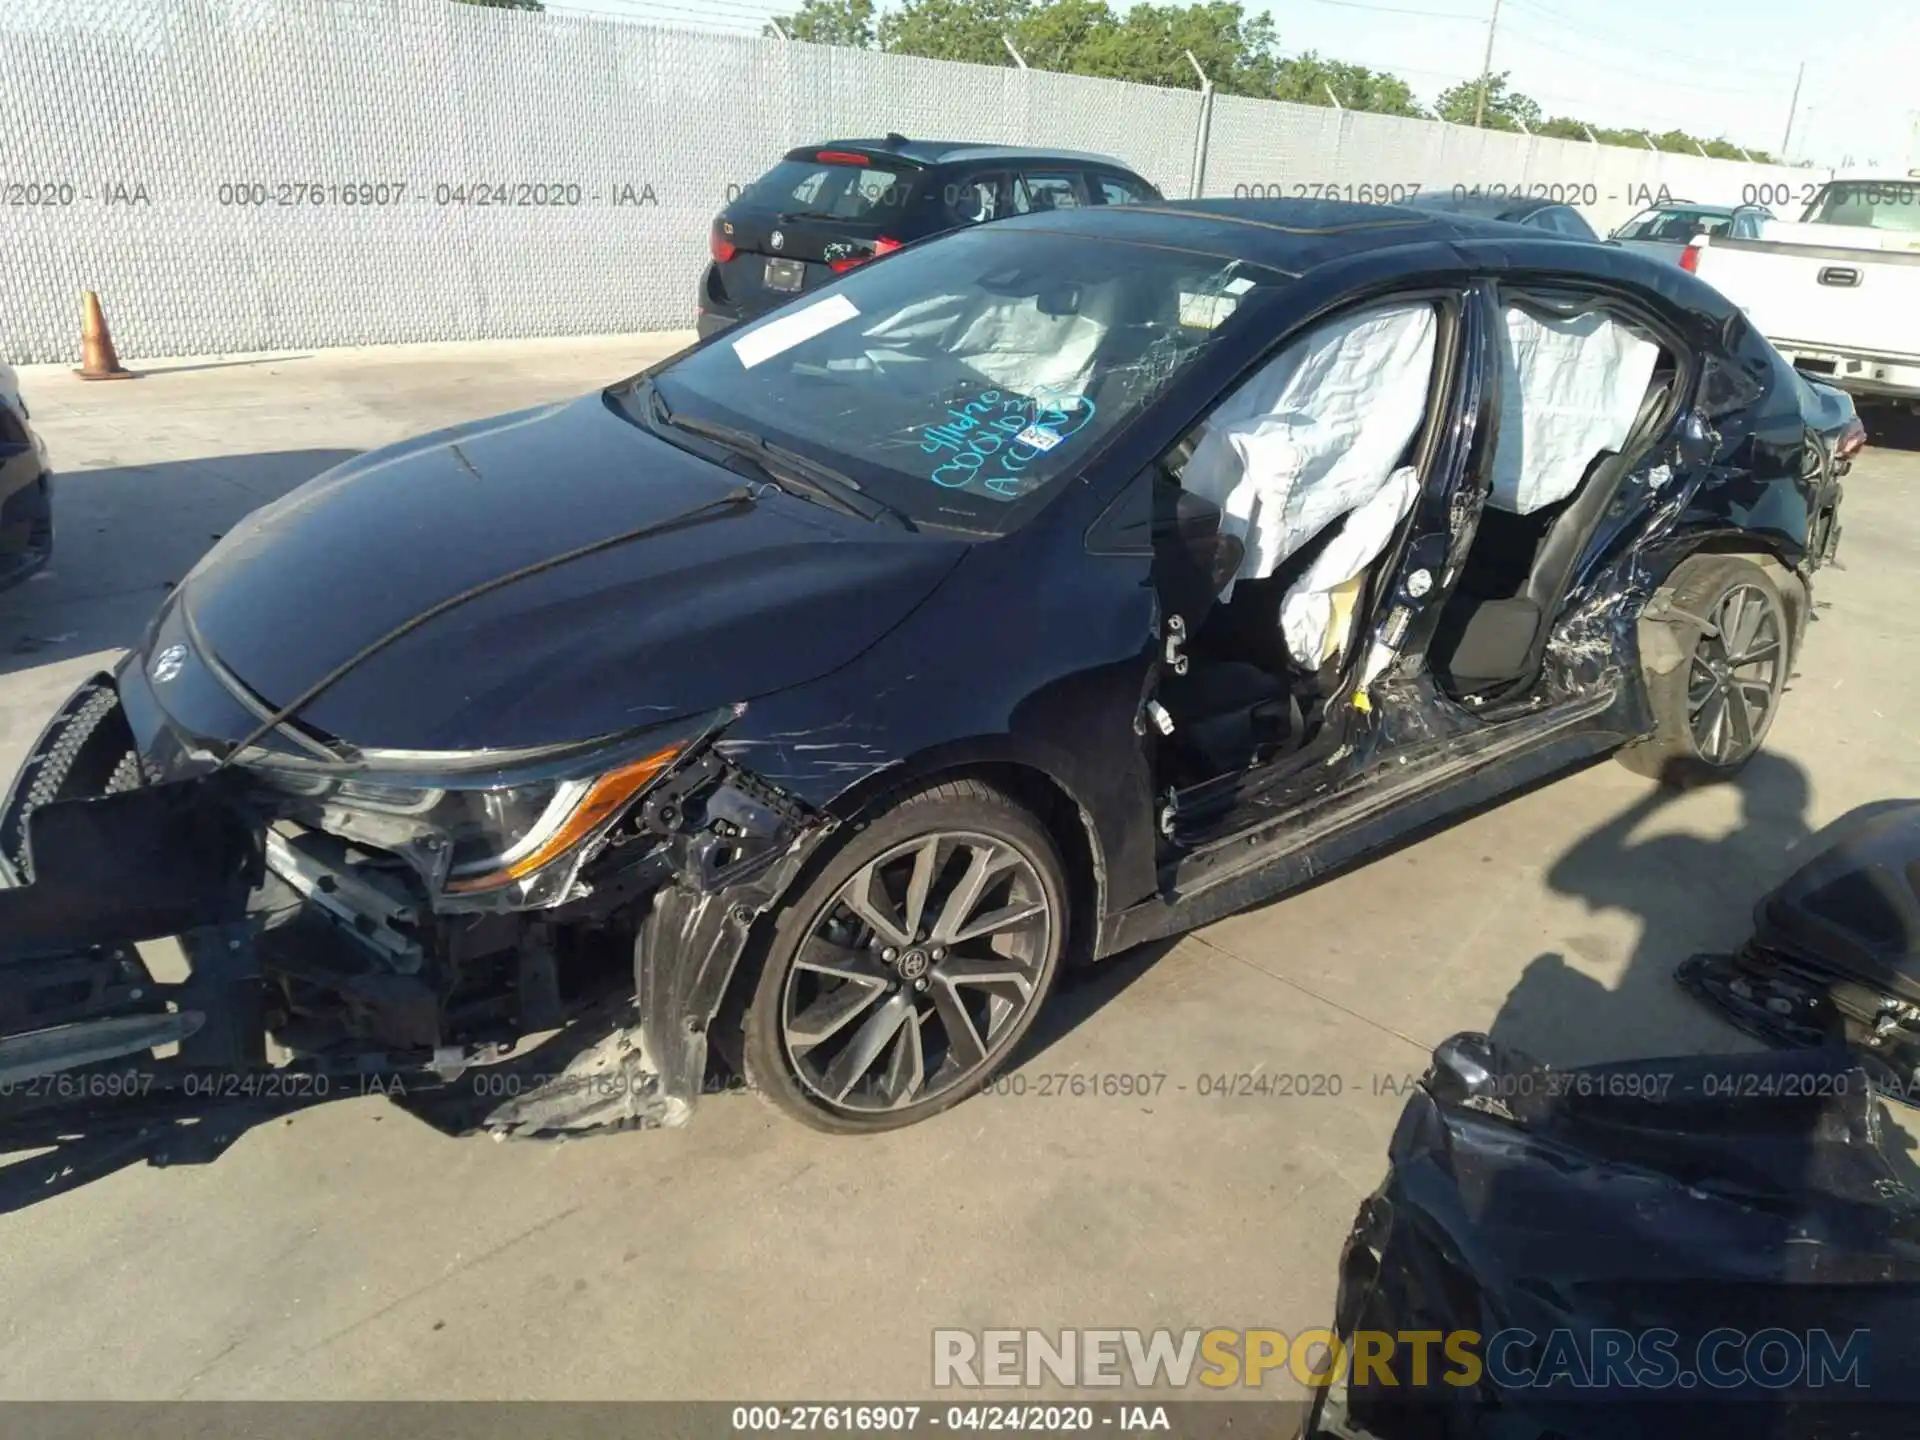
[489, 825]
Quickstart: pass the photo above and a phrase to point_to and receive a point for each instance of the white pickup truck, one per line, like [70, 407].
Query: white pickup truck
[1838, 292]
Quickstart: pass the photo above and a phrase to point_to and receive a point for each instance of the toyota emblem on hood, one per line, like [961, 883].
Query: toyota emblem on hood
[776, 239]
[169, 663]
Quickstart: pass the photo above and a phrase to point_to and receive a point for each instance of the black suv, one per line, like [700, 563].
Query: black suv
[826, 208]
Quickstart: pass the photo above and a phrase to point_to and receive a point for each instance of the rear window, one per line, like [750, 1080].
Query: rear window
[832, 190]
[1868, 204]
[1678, 226]
[1117, 191]
[1047, 190]
[959, 377]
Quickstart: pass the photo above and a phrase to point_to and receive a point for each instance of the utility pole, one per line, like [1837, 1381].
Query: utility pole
[1486, 69]
[1793, 109]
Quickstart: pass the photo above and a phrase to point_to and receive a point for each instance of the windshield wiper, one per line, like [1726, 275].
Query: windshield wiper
[784, 469]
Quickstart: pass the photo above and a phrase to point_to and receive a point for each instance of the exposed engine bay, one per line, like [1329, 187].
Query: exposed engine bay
[329, 944]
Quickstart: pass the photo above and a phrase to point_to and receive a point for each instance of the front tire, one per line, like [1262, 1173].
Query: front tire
[904, 975]
[1713, 710]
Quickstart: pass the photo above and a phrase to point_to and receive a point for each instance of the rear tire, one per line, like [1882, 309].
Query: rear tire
[1713, 710]
[911, 967]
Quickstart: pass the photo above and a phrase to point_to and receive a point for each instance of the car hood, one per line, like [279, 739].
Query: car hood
[735, 603]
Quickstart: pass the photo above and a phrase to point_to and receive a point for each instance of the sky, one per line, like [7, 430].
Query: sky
[1711, 67]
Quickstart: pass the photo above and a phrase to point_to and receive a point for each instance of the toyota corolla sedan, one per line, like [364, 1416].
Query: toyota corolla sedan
[814, 697]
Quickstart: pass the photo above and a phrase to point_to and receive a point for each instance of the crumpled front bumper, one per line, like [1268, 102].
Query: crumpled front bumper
[186, 857]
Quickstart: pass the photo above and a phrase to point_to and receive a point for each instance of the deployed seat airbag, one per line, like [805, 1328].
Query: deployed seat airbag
[1313, 437]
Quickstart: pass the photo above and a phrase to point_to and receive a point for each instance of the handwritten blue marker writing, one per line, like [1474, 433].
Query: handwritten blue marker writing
[1026, 429]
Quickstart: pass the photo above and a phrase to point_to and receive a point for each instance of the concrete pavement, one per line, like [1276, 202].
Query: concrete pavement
[352, 1252]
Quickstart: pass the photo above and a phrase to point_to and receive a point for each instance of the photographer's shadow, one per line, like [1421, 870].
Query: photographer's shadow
[1688, 893]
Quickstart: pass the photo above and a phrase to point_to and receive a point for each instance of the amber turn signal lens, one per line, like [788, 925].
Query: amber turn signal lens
[603, 800]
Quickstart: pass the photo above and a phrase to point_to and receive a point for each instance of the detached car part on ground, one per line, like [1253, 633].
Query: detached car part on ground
[1835, 956]
[800, 707]
[1623, 1243]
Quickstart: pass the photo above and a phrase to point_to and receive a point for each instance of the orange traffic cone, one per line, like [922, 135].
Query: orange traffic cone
[97, 360]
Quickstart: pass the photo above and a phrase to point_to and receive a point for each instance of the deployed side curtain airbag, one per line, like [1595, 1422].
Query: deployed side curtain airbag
[1313, 437]
[1571, 389]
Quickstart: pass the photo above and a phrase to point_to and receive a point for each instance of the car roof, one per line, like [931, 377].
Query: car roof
[1687, 207]
[1492, 207]
[1297, 237]
[947, 152]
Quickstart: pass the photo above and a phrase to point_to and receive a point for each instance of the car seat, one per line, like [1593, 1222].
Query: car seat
[1493, 631]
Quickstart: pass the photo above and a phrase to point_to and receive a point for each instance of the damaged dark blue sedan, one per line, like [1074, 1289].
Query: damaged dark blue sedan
[799, 708]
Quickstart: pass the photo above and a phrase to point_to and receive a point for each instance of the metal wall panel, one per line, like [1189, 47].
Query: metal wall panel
[204, 163]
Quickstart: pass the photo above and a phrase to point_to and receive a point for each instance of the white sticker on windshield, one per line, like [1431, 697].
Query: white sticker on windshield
[1240, 285]
[1038, 436]
[1205, 312]
[791, 330]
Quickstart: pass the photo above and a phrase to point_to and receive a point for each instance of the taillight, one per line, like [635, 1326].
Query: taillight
[721, 248]
[882, 246]
[1690, 259]
[840, 157]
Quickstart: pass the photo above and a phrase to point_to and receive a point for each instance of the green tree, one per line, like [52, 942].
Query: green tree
[1506, 108]
[1240, 53]
[966, 30]
[1306, 79]
[1072, 36]
[1147, 43]
[830, 22]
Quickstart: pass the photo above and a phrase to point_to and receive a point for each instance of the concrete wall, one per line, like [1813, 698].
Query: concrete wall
[238, 175]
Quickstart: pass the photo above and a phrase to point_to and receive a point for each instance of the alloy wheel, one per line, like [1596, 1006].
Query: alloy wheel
[1734, 679]
[916, 972]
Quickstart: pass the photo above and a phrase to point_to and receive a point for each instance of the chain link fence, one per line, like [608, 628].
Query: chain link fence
[236, 175]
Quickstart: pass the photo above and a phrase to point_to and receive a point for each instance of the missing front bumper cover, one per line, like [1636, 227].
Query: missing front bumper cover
[186, 857]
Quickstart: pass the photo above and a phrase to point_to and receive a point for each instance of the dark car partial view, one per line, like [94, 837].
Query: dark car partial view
[26, 489]
[827, 208]
[799, 708]
[1537, 212]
